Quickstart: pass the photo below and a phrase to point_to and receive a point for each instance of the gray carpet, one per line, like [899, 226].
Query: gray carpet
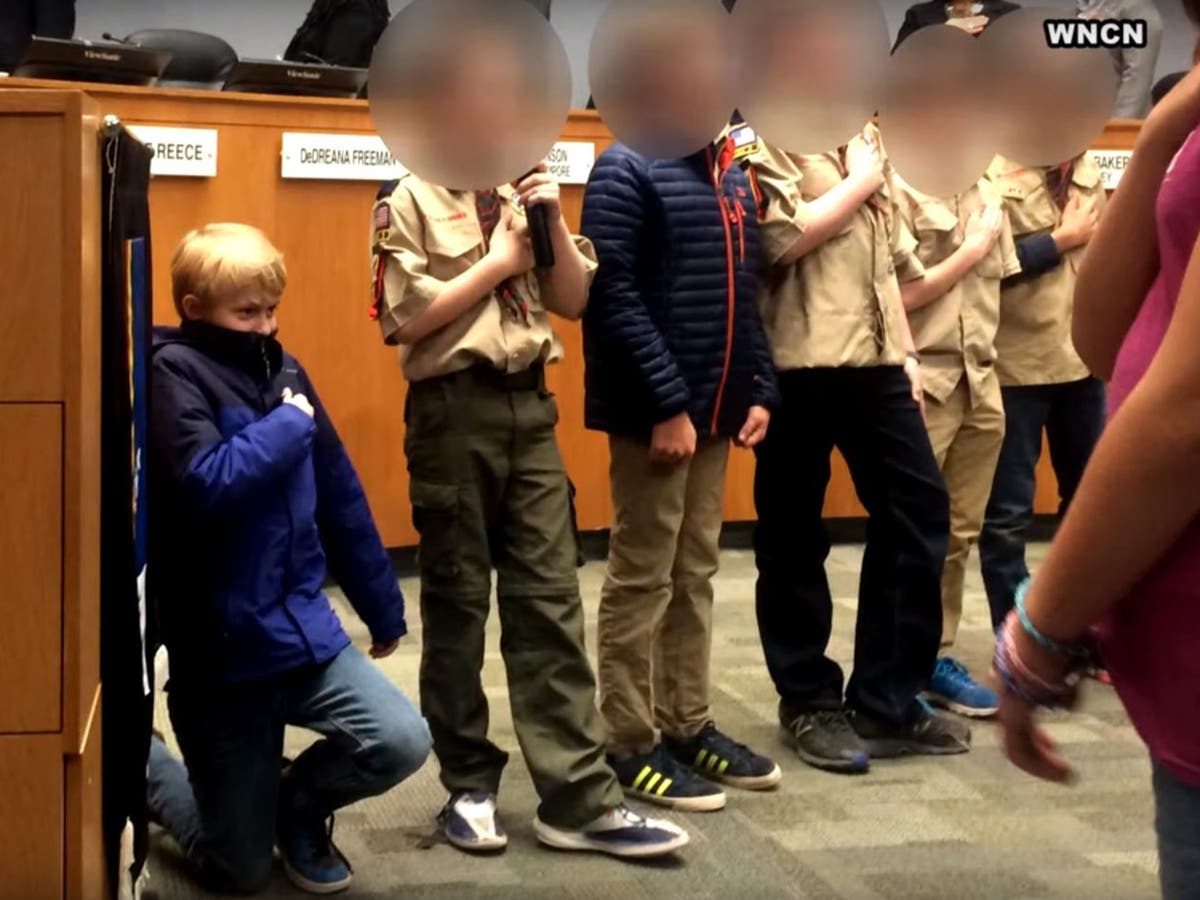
[963, 827]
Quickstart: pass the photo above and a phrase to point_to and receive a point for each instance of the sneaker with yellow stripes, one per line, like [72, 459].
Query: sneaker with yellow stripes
[717, 756]
[656, 777]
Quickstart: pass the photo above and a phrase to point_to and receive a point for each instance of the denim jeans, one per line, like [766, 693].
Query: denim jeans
[222, 808]
[1072, 415]
[1177, 820]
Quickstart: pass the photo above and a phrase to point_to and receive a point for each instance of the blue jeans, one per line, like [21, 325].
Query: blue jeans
[1177, 820]
[223, 807]
[1072, 415]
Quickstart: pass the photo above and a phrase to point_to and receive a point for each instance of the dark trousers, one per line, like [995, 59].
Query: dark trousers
[870, 416]
[1072, 415]
[489, 490]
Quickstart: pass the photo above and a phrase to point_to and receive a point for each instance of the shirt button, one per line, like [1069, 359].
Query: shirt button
[891, 268]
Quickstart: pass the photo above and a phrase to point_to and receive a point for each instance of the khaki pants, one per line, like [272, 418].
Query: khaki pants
[655, 625]
[966, 443]
[488, 491]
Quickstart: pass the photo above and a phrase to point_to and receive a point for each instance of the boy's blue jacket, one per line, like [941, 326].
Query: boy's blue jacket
[672, 323]
[250, 501]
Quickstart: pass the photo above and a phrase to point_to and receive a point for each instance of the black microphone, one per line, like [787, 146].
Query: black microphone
[116, 40]
[539, 231]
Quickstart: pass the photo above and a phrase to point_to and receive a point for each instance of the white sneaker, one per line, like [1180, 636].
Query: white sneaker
[619, 832]
[469, 822]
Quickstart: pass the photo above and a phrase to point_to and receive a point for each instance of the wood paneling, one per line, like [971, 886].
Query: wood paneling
[31, 559]
[84, 839]
[31, 816]
[31, 197]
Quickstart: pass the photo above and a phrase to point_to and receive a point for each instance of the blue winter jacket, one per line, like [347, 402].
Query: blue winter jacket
[250, 500]
[672, 323]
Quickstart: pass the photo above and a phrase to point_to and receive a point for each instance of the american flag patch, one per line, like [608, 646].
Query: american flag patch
[383, 215]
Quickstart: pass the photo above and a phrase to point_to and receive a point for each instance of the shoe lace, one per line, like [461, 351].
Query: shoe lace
[722, 744]
[324, 848]
[953, 670]
[836, 721]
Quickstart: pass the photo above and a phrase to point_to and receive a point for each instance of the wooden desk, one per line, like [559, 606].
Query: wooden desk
[49, 481]
[322, 228]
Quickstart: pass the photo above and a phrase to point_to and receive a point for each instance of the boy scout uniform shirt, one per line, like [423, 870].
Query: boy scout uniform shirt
[423, 236]
[955, 334]
[1033, 344]
[838, 305]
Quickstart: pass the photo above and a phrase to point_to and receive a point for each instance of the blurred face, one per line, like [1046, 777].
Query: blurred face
[247, 312]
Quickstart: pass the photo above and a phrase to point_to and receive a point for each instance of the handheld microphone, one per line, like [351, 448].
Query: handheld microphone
[539, 231]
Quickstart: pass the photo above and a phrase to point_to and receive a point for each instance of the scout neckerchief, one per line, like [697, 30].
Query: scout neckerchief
[1058, 182]
[487, 207]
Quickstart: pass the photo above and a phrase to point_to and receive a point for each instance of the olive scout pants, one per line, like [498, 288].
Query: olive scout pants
[655, 624]
[489, 490]
[966, 443]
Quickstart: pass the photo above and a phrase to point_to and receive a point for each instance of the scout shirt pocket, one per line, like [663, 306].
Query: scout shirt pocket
[936, 230]
[1030, 207]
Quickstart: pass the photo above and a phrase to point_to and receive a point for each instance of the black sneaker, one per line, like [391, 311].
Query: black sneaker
[720, 758]
[657, 778]
[929, 733]
[826, 740]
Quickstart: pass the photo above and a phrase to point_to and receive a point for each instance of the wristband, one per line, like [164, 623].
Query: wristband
[1075, 651]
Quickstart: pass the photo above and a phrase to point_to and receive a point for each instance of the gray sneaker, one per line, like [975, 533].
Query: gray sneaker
[826, 740]
[930, 734]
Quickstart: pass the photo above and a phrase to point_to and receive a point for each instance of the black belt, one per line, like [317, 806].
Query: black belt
[531, 379]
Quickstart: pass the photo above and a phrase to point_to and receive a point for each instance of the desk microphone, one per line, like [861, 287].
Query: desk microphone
[539, 231]
[116, 40]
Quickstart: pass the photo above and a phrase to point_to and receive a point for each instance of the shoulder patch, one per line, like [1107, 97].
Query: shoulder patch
[386, 189]
[745, 142]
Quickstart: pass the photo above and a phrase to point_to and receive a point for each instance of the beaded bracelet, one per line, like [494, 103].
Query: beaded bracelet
[1017, 679]
[1075, 651]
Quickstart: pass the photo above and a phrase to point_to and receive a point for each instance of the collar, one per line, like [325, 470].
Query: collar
[259, 356]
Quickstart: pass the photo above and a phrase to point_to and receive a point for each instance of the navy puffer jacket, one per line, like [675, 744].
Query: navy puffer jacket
[672, 323]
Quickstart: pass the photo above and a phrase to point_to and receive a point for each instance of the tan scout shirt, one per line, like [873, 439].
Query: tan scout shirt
[423, 236]
[956, 333]
[840, 304]
[1033, 345]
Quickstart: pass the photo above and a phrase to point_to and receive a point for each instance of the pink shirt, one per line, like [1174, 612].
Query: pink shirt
[1151, 641]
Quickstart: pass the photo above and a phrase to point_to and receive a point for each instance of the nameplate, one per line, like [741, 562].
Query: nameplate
[180, 151]
[364, 157]
[337, 157]
[1112, 165]
[571, 162]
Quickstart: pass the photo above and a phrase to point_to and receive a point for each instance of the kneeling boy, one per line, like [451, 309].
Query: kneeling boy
[254, 499]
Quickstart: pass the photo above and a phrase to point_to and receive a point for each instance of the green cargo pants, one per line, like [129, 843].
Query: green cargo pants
[489, 490]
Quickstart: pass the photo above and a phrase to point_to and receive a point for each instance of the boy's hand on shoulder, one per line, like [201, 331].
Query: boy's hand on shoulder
[541, 189]
[674, 440]
[755, 428]
[383, 651]
[299, 401]
[510, 247]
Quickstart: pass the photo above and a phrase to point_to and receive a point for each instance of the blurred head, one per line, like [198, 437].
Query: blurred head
[1192, 8]
[228, 274]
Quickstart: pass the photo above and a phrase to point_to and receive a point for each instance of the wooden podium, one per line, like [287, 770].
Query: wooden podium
[50, 244]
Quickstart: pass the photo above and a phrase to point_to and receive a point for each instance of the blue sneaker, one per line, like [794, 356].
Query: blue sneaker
[469, 822]
[954, 689]
[311, 861]
[619, 832]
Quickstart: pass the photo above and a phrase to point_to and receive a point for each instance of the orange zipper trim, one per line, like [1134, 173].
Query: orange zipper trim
[726, 215]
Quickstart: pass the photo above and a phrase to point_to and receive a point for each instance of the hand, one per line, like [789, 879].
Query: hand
[510, 246]
[541, 188]
[299, 401]
[755, 428]
[383, 651]
[1027, 746]
[864, 163]
[912, 368]
[1079, 222]
[983, 228]
[674, 440]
